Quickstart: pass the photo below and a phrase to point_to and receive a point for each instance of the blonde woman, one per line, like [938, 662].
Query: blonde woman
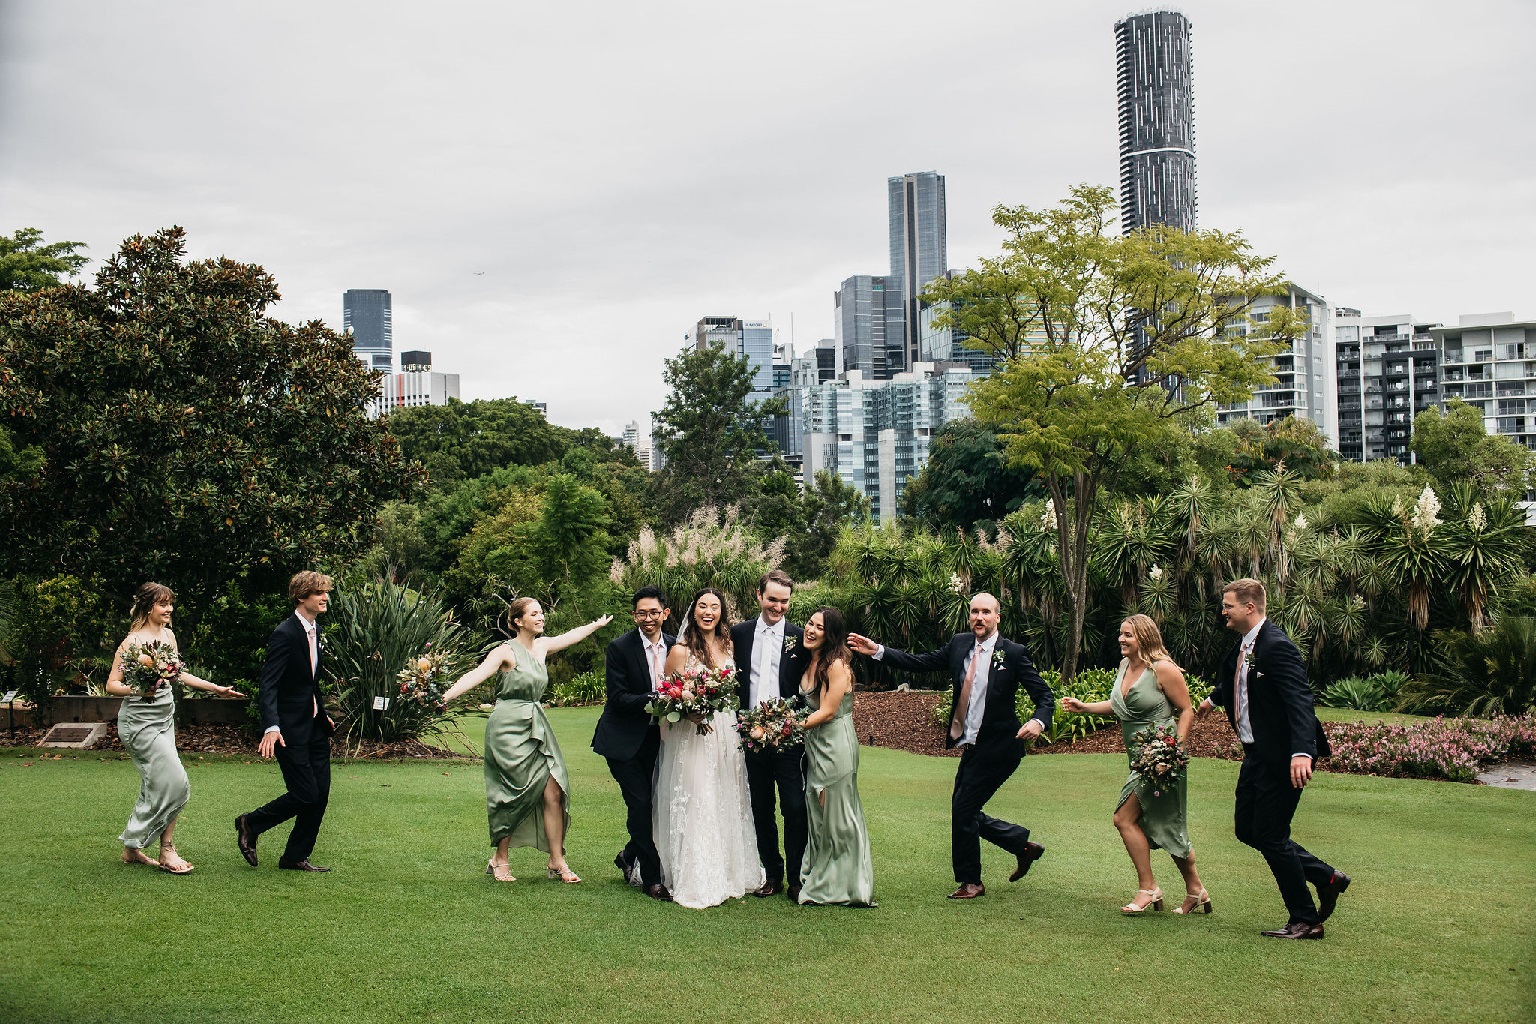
[146, 723]
[1150, 692]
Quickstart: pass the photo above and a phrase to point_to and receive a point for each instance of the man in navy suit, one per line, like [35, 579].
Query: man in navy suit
[629, 739]
[297, 728]
[1263, 687]
[986, 671]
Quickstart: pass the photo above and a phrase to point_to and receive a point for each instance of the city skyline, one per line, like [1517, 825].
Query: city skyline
[521, 239]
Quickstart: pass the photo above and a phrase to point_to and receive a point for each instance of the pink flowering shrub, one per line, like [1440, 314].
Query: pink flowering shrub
[1445, 748]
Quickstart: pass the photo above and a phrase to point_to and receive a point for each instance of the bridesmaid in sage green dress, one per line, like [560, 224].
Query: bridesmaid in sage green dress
[1150, 691]
[527, 789]
[837, 867]
[146, 725]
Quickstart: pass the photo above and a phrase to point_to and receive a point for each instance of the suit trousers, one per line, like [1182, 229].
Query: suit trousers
[784, 771]
[307, 774]
[982, 771]
[637, 781]
[1266, 801]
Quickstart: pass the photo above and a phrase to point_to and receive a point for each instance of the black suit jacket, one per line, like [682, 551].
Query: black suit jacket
[792, 660]
[1000, 719]
[624, 723]
[290, 692]
[1279, 699]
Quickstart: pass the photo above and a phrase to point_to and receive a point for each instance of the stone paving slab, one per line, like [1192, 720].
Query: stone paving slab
[1512, 775]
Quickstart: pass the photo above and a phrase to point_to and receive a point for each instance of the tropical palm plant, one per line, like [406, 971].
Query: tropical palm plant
[1492, 672]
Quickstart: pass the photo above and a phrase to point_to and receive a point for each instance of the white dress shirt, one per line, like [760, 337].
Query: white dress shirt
[977, 710]
[767, 646]
[1240, 684]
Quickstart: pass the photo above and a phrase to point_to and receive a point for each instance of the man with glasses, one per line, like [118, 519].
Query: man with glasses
[628, 738]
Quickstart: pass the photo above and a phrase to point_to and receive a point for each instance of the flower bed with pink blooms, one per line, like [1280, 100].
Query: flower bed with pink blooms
[1455, 749]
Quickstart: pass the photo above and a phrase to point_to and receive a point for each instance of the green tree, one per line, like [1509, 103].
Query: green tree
[1454, 446]
[463, 440]
[1245, 448]
[966, 480]
[711, 434]
[1143, 336]
[28, 264]
[186, 436]
[827, 507]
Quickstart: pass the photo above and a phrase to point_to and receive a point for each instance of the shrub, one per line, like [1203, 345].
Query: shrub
[1492, 672]
[56, 632]
[580, 691]
[375, 632]
[1445, 748]
[1380, 692]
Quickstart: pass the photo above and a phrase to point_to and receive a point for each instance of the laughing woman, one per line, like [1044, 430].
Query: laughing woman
[527, 791]
[147, 727]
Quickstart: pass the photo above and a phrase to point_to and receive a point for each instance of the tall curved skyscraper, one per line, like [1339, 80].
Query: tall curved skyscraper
[1157, 121]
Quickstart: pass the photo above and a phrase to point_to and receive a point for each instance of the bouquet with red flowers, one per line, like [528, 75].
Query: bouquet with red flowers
[771, 725]
[694, 693]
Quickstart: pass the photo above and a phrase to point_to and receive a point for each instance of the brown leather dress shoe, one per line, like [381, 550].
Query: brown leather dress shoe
[767, 889]
[1032, 852]
[969, 891]
[1328, 894]
[303, 865]
[658, 892]
[246, 840]
[1296, 930]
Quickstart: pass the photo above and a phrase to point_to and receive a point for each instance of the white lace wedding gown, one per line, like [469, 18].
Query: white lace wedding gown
[703, 813]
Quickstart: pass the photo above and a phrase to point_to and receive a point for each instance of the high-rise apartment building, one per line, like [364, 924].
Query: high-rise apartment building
[1489, 362]
[1303, 385]
[415, 385]
[1157, 121]
[919, 247]
[637, 441]
[1388, 372]
[868, 326]
[750, 338]
[366, 315]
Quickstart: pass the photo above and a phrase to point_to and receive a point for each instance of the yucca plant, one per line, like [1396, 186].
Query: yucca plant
[373, 633]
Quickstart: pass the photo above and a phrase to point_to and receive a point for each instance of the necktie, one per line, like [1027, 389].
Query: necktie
[963, 705]
[1240, 686]
[314, 651]
[656, 663]
[767, 687]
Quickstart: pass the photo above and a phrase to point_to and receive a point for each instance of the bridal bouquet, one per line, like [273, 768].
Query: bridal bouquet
[150, 665]
[424, 680]
[697, 691]
[1161, 757]
[771, 725]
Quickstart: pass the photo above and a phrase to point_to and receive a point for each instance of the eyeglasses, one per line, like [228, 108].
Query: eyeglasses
[648, 614]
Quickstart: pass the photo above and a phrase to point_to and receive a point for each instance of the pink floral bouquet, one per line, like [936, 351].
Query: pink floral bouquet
[424, 680]
[771, 725]
[149, 666]
[694, 692]
[1161, 758]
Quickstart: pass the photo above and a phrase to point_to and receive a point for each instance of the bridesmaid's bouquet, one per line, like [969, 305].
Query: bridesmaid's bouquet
[1161, 757]
[150, 665]
[424, 680]
[771, 725]
[695, 691]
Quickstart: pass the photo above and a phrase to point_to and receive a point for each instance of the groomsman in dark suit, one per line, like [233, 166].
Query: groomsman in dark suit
[986, 671]
[297, 728]
[1263, 687]
[629, 739]
[770, 659]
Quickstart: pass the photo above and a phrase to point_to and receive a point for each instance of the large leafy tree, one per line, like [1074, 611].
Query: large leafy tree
[711, 432]
[463, 440]
[966, 480]
[185, 435]
[1141, 337]
[1454, 447]
[28, 264]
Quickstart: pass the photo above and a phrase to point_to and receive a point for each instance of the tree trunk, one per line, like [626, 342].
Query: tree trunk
[1072, 545]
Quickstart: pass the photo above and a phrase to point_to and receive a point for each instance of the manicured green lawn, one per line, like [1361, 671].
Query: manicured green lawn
[1440, 924]
[1351, 715]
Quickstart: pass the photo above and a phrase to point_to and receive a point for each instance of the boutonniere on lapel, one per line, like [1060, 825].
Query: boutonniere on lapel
[997, 658]
[790, 640]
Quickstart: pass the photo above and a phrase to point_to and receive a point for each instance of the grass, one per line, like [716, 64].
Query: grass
[1438, 925]
[1351, 715]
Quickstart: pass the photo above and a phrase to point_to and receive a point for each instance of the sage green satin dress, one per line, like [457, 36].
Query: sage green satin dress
[1162, 816]
[521, 755]
[837, 867]
[147, 729]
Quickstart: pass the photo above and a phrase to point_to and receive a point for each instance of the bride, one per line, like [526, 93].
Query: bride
[703, 815]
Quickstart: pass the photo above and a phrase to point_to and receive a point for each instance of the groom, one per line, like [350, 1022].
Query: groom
[627, 737]
[297, 728]
[986, 671]
[770, 659]
[1263, 687]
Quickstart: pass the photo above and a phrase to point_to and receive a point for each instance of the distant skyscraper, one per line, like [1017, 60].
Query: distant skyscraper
[1157, 121]
[415, 385]
[750, 338]
[869, 326]
[365, 312]
[919, 247]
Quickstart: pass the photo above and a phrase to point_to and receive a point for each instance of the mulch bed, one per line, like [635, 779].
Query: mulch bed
[235, 741]
[903, 720]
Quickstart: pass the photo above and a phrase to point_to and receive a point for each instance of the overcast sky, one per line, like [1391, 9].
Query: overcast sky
[554, 193]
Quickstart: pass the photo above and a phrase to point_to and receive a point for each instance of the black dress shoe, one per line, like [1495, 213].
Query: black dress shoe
[628, 868]
[1296, 930]
[246, 839]
[1328, 894]
[794, 893]
[767, 889]
[969, 891]
[657, 891]
[302, 865]
[1032, 852]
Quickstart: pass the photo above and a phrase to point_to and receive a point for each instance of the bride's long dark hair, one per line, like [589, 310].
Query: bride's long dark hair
[834, 646]
[695, 640]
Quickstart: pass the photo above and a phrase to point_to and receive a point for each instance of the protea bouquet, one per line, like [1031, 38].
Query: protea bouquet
[771, 725]
[424, 679]
[150, 665]
[1161, 757]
